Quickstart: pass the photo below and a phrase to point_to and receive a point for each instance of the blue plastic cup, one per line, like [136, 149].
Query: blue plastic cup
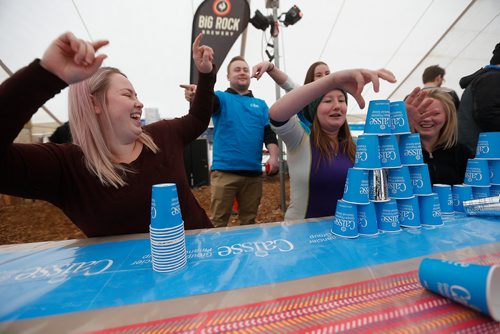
[399, 183]
[430, 210]
[445, 198]
[378, 118]
[495, 190]
[345, 221]
[477, 173]
[356, 188]
[409, 212]
[367, 219]
[420, 180]
[399, 118]
[473, 285]
[165, 207]
[480, 192]
[389, 151]
[410, 150]
[461, 193]
[388, 216]
[487, 145]
[367, 152]
[494, 166]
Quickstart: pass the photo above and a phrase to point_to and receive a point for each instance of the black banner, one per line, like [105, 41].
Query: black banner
[221, 22]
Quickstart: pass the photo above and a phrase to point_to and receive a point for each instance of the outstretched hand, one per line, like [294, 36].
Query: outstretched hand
[353, 81]
[189, 91]
[73, 59]
[416, 106]
[203, 56]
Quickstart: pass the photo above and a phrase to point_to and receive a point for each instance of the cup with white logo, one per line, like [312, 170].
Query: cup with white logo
[409, 212]
[474, 285]
[487, 146]
[461, 193]
[399, 183]
[378, 118]
[494, 166]
[367, 151]
[477, 173]
[345, 221]
[399, 118]
[367, 219]
[410, 149]
[430, 210]
[389, 151]
[388, 216]
[480, 192]
[356, 186]
[420, 180]
[445, 198]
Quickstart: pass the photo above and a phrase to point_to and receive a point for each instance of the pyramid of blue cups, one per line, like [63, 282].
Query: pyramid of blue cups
[389, 186]
[166, 232]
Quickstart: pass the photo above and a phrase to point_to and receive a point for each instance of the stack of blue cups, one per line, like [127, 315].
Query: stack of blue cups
[483, 172]
[167, 236]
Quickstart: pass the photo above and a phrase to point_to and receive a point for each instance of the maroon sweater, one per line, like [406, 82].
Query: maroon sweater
[56, 172]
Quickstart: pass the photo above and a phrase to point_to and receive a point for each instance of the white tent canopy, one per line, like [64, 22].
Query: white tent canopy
[150, 41]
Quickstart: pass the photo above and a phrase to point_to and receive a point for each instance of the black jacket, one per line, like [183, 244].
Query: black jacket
[447, 166]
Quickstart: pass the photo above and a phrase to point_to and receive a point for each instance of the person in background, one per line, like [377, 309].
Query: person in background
[62, 135]
[433, 77]
[318, 162]
[316, 71]
[432, 114]
[241, 127]
[480, 107]
[102, 181]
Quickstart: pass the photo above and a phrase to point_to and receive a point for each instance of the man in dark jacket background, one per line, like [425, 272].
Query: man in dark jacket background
[480, 104]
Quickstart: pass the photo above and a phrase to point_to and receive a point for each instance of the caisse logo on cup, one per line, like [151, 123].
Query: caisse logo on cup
[378, 185]
[477, 173]
[367, 219]
[473, 285]
[389, 152]
[399, 183]
[487, 145]
[461, 193]
[410, 150]
[165, 207]
[430, 210]
[378, 117]
[494, 166]
[420, 180]
[409, 213]
[399, 118]
[445, 198]
[345, 221]
[356, 186]
[367, 152]
[388, 216]
[480, 192]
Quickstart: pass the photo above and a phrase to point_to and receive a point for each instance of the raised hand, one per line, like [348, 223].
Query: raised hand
[353, 81]
[261, 68]
[416, 106]
[203, 56]
[73, 59]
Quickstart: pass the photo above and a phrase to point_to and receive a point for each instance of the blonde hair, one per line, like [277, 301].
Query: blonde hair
[87, 128]
[328, 148]
[448, 136]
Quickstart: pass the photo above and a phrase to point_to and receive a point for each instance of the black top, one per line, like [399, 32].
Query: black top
[447, 166]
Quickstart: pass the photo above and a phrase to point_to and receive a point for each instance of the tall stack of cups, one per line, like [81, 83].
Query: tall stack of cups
[483, 172]
[168, 240]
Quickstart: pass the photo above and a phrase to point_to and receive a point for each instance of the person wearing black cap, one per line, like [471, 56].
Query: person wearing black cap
[479, 109]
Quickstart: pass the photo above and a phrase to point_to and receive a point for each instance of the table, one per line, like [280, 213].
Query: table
[281, 277]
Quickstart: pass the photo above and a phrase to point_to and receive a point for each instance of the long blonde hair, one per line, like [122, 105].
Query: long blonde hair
[448, 135]
[87, 128]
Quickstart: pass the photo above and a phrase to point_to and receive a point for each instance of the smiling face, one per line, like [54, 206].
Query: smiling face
[124, 109]
[331, 111]
[239, 76]
[430, 127]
